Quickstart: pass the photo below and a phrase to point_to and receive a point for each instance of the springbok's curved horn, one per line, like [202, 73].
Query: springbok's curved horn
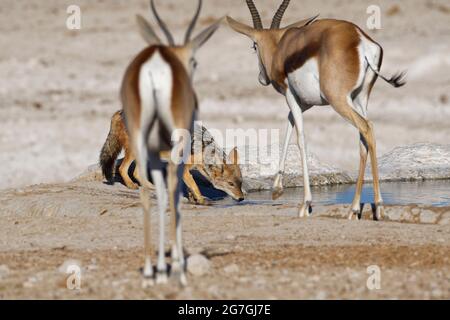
[255, 15]
[191, 28]
[162, 25]
[276, 22]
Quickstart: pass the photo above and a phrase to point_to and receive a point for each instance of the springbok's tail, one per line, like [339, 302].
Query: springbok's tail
[397, 80]
[111, 149]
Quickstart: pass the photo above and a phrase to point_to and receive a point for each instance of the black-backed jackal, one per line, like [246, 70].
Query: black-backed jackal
[221, 170]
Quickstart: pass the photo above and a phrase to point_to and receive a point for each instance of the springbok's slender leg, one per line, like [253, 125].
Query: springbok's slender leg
[365, 127]
[141, 161]
[356, 205]
[156, 168]
[277, 190]
[175, 173]
[379, 211]
[297, 113]
[180, 156]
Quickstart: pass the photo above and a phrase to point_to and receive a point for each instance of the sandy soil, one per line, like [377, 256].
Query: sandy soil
[255, 251]
[59, 89]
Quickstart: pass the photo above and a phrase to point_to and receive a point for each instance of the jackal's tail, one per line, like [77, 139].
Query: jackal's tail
[112, 147]
[397, 80]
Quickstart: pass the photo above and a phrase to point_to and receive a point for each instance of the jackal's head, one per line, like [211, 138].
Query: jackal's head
[225, 174]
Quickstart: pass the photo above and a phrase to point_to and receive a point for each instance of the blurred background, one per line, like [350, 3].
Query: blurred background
[59, 88]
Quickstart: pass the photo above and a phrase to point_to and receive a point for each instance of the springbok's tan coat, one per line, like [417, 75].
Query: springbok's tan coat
[160, 105]
[320, 62]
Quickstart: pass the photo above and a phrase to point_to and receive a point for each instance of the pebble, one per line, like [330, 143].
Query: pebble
[260, 282]
[198, 265]
[4, 271]
[232, 268]
[437, 293]
[30, 282]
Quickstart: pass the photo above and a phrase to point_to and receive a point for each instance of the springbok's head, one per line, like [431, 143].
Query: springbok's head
[186, 52]
[265, 41]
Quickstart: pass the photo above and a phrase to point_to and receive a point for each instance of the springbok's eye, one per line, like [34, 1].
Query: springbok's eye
[255, 47]
[194, 63]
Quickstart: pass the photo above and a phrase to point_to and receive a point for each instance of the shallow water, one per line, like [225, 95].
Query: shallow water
[432, 193]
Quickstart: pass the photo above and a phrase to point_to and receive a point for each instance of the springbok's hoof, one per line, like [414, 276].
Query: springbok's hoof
[379, 213]
[277, 190]
[147, 283]
[277, 193]
[355, 213]
[161, 278]
[305, 210]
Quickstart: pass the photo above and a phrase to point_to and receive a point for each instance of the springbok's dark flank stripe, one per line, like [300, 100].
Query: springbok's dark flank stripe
[298, 59]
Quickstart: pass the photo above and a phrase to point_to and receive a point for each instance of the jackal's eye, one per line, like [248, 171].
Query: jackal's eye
[231, 184]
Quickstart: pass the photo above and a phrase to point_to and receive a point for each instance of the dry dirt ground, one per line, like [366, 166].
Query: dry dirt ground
[59, 88]
[255, 251]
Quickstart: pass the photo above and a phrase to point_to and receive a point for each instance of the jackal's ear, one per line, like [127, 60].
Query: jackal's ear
[234, 156]
[146, 31]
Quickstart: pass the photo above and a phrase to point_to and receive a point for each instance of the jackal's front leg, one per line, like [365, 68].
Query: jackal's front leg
[137, 176]
[193, 187]
[123, 170]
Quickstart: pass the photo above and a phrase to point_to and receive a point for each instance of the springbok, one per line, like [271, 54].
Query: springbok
[160, 106]
[315, 63]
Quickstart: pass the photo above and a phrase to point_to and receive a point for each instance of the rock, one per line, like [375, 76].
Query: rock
[30, 282]
[421, 161]
[198, 265]
[232, 268]
[260, 282]
[4, 271]
[429, 217]
[409, 214]
[445, 219]
[230, 237]
[260, 165]
[92, 174]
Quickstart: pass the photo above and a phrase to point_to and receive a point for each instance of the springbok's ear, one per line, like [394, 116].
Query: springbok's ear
[302, 23]
[146, 31]
[234, 156]
[241, 28]
[205, 35]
